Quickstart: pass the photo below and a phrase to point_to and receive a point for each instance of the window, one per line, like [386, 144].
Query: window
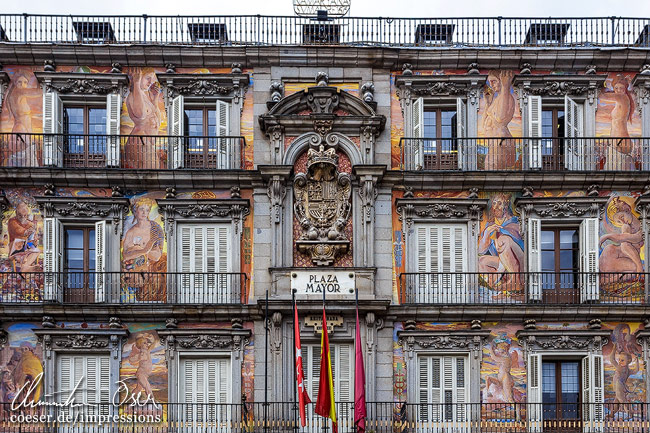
[560, 264]
[553, 133]
[556, 134]
[437, 133]
[79, 264]
[441, 261]
[205, 389]
[552, 255]
[442, 388]
[342, 371]
[74, 261]
[84, 129]
[440, 145]
[561, 390]
[201, 126]
[81, 135]
[565, 389]
[204, 264]
[94, 373]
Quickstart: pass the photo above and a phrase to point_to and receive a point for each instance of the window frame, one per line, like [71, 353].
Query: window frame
[88, 285]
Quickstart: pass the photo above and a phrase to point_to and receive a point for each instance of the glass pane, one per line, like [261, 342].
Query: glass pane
[194, 123]
[548, 382]
[429, 124]
[547, 123]
[74, 238]
[560, 123]
[567, 259]
[548, 260]
[568, 239]
[74, 120]
[548, 239]
[570, 389]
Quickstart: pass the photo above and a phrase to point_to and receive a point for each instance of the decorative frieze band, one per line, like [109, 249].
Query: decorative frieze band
[585, 86]
[468, 86]
[563, 340]
[173, 209]
[114, 208]
[82, 340]
[83, 83]
[204, 85]
[204, 340]
[412, 209]
[561, 207]
[470, 340]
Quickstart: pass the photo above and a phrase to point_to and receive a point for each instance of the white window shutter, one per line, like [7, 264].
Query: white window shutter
[224, 151]
[573, 130]
[94, 373]
[225, 263]
[424, 386]
[534, 375]
[184, 263]
[460, 391]
[52, 258]
[461, 131]
[423, 257]
[343, 383]
[592, 393]
[64, 379]
[534, 259]
[417, 127]
[589, 243]
[535, 131]
[100, 261]
[52, 129]
[113, 113]
[176, 130]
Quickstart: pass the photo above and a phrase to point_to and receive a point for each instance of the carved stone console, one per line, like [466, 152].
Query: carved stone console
[113, 209]
[204, 85]
[173, 210]
[83, 84]
[559, 340]
[276, 178]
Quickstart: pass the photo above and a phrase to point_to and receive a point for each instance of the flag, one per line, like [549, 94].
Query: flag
[325, 402]
[303, 397]
[360, 413]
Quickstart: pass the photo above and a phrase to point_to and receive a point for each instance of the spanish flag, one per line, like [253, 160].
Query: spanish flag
[325, 402]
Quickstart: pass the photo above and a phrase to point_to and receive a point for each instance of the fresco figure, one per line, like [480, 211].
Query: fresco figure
[622, 252]
[624, 353]
[500, 110]
[26, 369]
[142, 253]
[502, 388]
[142, 105]
[22, 151]
[621, 154]
[140, 357]
[501, 248]
[23, 239]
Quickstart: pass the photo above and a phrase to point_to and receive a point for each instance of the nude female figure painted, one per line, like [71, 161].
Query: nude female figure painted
[22, 151]
[620, 154]
[142, 105]
[622, 252]
[500, 110]
[624, 357]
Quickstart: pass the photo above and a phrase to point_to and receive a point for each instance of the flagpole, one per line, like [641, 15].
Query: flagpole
[266, 361]
[295, 368]
[356, 312]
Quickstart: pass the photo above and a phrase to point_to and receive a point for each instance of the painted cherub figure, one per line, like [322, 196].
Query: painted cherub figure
[141, 357]
[505, 358]
[624, 354]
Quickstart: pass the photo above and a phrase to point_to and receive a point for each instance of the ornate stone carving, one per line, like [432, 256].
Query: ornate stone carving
[277, 91]
[407, 69]
[368, 193]
[204, 85]
[81, 341]
[472, 340]
[276, 191]
[205, 342]
[323, 126]
[171, 323]
[236, 68]
[84, 86]
[468, 85]
[322, 102]
[410, 209]
[368, 92]
[472, 69]
[115, 323]
[526, 69]
[49, 66]
[322, 203]
[322, 79]
[560, 207]
[539, 340]
[207, 339]
[48, 322]
[236, 209]
[199, 88]
[586, 86]
[116, 68]
[115, 208]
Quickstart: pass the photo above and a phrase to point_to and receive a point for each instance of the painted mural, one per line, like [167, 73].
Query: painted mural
[144, 251]
[617, 117]
[501, 249]
[144, 117]
[144, 367]
[20, 363]
[21, 245]
[499, 117]
[624, 372]
[503, 370]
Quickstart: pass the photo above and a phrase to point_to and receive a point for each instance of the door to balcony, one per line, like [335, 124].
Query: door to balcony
[561, 395]
[560, 264]
[440, 145]
[84, 131]
[553, 139]
[79, 265]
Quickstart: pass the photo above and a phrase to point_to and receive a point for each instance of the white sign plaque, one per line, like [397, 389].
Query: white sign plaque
[312, 283]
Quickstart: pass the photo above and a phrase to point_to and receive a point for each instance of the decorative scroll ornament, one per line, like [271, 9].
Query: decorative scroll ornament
[322, 203]
[85, 86]
[199, 88]
[81, 341]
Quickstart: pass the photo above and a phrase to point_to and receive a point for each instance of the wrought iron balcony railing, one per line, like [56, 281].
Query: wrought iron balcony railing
[124, 287]
[121, 151]
[354, 31]
[383, 417]
[505, 288]
[526, 153]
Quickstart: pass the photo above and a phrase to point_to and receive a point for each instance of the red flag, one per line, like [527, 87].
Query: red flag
[303, 397]
[325, 402]
[360, 413]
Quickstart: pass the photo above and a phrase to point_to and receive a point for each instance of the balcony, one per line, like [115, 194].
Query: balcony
[526, 154]
[134, 151]
[509, 288]
[383, 417]
[351, 31]
[124, 288]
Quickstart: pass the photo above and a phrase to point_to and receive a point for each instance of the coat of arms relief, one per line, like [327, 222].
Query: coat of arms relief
[322, 202]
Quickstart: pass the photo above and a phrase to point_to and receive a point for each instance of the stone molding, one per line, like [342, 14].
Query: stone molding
[427, 209]
[81, 83]
[562, 340]
[276, 177]
[641, 84]
[555, 85]
[4, 85]
[235, 209]
[561, 207]
[204, 85]
[95, 208]
[413, 86]
[443, 340]
[231, 339]
[82, 340]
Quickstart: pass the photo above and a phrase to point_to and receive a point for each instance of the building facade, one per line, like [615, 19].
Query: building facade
[169, 185]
